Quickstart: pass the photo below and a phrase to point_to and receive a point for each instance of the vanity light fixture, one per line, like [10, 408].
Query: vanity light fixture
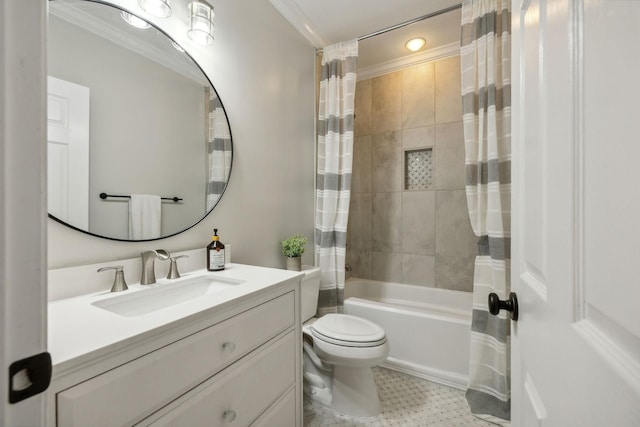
[200, 22]
[134, 20]
[415, 44]
[159, 8]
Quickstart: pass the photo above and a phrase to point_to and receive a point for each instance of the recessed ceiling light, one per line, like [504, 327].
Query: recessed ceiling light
[134, 20]
[415, 44]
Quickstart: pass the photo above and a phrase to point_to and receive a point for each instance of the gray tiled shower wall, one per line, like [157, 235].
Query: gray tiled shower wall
[420, 237]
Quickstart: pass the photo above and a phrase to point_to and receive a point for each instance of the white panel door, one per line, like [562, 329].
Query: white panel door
[23, 214]
[68, 152]
[576, 212]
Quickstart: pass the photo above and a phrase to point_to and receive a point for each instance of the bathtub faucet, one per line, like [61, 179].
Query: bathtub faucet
[347, 267]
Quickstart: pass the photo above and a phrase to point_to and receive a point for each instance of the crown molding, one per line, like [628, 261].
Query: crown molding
[448, 50]
[292, 13]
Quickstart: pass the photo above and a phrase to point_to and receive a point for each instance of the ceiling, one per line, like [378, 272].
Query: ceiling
[324, 22]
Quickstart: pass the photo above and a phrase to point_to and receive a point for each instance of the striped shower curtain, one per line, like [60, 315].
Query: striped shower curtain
[219, 149]
[486, 95]
[333, 181]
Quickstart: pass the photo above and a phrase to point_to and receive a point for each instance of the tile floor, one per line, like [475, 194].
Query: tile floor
[406, 402]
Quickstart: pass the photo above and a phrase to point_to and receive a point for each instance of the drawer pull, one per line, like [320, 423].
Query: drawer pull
[229, 346]
[229, 415]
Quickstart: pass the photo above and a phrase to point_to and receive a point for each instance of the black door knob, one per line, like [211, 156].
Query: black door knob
[511, 305]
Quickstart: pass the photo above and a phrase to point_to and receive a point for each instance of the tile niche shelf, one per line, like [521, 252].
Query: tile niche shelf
[418, 169]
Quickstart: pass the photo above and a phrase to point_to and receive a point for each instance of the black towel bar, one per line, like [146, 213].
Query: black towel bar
[105, 195]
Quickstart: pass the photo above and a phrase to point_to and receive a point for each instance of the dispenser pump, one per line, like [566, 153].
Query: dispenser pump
[215, 253]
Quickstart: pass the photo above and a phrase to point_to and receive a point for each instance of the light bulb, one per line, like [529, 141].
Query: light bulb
[415, 44]
[159, 8]
[134, 20]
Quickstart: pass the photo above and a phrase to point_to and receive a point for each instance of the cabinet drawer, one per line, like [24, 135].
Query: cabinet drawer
[238, 396]
[133, 391]
[281, 414]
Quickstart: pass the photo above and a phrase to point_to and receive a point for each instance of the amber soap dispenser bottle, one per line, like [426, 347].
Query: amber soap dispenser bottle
[215, 253]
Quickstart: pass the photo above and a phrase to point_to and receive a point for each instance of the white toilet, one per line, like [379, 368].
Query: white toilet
[339, 352]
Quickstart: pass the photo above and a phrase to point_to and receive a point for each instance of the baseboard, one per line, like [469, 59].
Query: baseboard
[450, 379]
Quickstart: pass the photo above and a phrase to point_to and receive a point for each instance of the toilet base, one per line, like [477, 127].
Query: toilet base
[354, 392]
[348, 391]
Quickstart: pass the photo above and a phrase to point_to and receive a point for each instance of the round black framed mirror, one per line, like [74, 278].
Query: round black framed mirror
[139, 144]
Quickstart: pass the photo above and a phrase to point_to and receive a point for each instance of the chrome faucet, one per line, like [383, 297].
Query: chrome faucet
[148, 267]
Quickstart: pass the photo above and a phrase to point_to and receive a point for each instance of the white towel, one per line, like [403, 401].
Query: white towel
[144, 216]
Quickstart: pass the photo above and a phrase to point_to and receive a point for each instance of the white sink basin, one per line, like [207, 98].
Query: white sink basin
[160, 296]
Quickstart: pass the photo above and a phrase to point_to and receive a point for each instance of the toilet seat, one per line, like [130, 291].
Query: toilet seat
[348, 331]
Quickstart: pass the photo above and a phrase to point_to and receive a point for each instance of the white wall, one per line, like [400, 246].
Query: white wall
[263, 71]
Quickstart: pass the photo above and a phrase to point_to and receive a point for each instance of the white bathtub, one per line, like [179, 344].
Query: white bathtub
[428, 329]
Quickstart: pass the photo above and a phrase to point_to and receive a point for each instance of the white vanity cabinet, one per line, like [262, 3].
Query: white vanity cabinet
[243, 368]
[241, 394]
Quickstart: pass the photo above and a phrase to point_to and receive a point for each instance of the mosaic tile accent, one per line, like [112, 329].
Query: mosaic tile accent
[406, 401]
[418, 169]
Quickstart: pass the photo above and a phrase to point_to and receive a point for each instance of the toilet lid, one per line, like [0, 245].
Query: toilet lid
[343, 329]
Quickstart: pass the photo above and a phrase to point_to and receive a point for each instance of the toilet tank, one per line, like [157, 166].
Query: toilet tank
[309, 290]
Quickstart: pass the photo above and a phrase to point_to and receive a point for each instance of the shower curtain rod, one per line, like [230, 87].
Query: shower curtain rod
[404, 24]
[413, 21]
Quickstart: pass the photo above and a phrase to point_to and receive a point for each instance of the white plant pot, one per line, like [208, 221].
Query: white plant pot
[294, 263]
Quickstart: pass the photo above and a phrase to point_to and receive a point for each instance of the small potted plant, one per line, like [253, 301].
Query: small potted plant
[293, 248]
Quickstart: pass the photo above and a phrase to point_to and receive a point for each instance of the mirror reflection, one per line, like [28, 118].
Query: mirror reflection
[129, 114]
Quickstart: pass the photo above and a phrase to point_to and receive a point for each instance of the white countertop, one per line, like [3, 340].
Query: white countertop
[79, 331]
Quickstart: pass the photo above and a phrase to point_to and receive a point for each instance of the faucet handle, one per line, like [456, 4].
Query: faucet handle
[162, 254]
[119, 283]
[173, 268]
